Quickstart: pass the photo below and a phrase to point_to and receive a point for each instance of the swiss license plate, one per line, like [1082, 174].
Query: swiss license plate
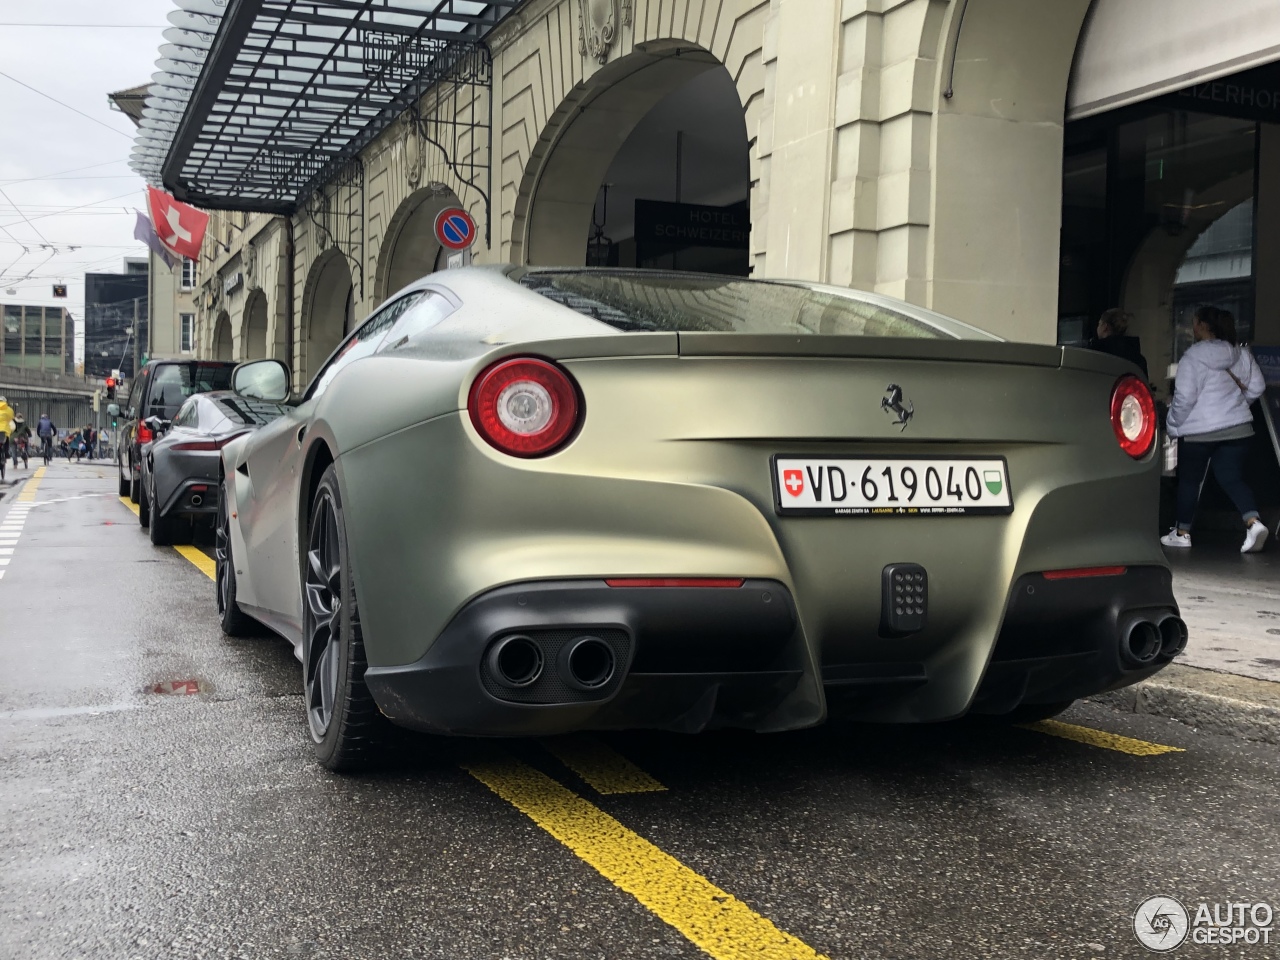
[892, 487]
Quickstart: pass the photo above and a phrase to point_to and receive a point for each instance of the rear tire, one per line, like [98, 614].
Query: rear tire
[161, 529]
[235, 623]
[123, 480]
[135, 486]
[346, 727]
[144, 509]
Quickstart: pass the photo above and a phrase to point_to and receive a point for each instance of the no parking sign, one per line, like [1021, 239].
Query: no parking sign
[455, 229]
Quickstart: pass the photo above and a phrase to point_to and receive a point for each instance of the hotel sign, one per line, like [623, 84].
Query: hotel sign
[681, 225]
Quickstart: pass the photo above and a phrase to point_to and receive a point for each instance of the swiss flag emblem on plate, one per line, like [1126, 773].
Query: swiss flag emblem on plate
[793, 480]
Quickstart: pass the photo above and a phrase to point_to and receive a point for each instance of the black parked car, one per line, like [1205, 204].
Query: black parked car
[180, 466]
[158, 390]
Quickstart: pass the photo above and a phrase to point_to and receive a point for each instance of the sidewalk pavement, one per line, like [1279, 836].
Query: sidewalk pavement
[1228, 680]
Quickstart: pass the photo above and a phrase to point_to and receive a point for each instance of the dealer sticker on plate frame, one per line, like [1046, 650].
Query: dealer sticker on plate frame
[891, 486]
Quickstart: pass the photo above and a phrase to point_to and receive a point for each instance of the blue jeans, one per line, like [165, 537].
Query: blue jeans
[1227, 457]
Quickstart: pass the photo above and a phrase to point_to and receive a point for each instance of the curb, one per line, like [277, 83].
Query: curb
[1219, 703]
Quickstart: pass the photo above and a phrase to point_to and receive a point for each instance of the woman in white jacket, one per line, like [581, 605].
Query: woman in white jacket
[1217, 381]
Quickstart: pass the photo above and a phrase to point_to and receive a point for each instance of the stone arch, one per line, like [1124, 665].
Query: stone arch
[253, 341]
[1003, 68]
[327, 304]
[221, 343]
[410, 249]
[553, 207]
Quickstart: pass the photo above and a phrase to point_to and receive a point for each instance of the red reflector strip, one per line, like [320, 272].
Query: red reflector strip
[1081, 572]
[198, 488]
[722, 582]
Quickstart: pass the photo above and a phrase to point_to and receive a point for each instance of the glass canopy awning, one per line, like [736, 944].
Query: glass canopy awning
[256, 102]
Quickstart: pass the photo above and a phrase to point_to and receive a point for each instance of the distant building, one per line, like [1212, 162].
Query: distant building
[38, 338]
[113, 304]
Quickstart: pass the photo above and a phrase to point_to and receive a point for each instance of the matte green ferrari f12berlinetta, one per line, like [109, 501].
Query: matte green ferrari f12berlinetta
[527, 501]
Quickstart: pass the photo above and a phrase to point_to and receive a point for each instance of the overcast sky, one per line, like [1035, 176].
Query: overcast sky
[52, 159]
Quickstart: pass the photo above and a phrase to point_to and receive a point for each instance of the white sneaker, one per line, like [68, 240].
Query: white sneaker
[1175, 539]
[1254, 538]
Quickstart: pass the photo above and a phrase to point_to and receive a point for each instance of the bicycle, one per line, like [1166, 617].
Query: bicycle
[20, 450]
[47, 450]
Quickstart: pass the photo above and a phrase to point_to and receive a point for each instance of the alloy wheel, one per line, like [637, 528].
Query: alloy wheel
[222, 553]
[323, 606]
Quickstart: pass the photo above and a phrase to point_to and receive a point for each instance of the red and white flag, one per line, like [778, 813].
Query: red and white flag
[179, 226]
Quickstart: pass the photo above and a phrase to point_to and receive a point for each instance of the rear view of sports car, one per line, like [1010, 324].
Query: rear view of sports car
[529, 501]
[179, 467]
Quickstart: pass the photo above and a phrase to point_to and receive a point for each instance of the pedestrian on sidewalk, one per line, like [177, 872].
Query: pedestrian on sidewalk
[1210, 418]
[1113, 338]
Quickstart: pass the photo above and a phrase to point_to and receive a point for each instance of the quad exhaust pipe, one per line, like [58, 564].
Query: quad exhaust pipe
[515, 661]
[1143, 641]
[196, 499]
[585, 663]
[1173, 636]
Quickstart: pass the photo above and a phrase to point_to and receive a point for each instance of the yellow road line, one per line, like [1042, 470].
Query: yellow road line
[1098, 738]
[200, 560]
[716, 922]
[606, 770]
[28, 494]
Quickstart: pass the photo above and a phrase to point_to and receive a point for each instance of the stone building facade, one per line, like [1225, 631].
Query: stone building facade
[910, 147]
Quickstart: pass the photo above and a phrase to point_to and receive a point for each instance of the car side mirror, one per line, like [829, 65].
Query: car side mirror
[157, 425]
[261, 380]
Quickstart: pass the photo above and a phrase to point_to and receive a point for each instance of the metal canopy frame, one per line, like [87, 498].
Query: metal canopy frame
[259, 103]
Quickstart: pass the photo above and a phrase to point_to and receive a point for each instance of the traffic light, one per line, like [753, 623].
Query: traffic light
[60, 291]
[111, 388]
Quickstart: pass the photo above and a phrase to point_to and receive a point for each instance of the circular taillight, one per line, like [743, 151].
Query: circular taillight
[1133, 416]
[524, 406]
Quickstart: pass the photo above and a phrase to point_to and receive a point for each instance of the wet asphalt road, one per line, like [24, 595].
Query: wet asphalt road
[135, 824]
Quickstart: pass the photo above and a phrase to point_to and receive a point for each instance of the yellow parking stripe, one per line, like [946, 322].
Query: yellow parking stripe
[200, 560]
[28, 494]
[716, 922]
[606, 770]
[1098, 738]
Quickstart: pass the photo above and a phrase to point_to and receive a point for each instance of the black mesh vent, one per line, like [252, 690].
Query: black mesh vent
[549, 688]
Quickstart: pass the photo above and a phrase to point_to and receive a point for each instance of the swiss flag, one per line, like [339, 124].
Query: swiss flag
[179, 226]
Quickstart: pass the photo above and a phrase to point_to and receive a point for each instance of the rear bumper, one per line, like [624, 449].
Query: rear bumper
[1065, 639]
[192, 497]
[691, 659]
[685, 659]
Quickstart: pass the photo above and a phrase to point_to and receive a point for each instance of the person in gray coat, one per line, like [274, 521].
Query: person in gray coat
[1210, 418]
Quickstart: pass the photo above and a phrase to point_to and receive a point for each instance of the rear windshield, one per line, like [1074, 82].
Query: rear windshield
[172, 383]
[243, 412]
[653, 301]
